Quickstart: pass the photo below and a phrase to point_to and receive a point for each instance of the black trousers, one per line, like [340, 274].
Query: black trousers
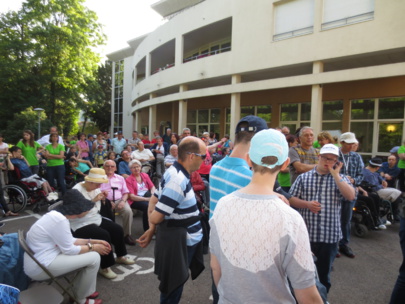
[109, 232]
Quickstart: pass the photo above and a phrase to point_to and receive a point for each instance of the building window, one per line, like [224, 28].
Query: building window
[260, 111]
[332, 115]
[293, 18]
[295, 115]
[338, 13]
[200, 121]
[118, 95]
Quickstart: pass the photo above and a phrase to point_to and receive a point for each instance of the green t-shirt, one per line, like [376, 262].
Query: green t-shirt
[30, 153]
[55, 151]
[284, 179]
[401, 163]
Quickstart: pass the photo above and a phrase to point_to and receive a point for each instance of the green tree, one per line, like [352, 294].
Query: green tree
[46, 58]
[98, 96]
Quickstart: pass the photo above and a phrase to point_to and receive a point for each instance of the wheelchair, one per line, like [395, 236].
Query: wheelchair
[152, 172]
[19, 194]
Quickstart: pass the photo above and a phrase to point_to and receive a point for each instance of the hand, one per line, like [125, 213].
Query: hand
[384, 184]
[113, 205]
[102, 249]
[145, 238]
[335, 169]
[314, 206]
[121, 205]
[99, 197]
[283, 198]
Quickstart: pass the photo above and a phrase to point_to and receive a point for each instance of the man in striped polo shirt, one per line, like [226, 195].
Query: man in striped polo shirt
[179, 233]
[325, 187]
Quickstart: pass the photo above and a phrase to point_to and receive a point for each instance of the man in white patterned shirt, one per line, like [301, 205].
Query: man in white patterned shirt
[243, 260]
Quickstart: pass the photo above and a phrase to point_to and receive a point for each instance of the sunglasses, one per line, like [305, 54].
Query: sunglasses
[203, 156]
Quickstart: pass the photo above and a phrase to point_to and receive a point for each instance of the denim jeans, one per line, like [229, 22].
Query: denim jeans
[398, 294]
[345, 218]
[58, 173]
[175, 295]
[325, 254]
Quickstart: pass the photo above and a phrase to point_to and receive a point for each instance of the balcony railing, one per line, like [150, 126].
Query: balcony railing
[211, 53]
[167, 66]
[294, 33]
[348, 20]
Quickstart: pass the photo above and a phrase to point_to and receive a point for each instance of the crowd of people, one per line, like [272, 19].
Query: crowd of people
[301, 194]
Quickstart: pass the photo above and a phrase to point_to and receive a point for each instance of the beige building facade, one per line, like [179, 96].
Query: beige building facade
[335, 65]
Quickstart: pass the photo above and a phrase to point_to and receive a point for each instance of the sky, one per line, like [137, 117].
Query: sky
[123, 20]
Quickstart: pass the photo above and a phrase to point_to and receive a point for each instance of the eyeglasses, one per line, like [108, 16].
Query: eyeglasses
[109, 166]
[203, 156]
[329, 160]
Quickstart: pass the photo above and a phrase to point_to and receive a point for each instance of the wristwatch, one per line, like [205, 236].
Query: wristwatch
[90, 245]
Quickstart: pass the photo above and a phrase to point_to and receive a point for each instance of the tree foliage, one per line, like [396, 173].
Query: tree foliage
[47, 59]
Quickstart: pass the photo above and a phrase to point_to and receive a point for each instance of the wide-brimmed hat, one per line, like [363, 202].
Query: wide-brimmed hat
[74, 203]
[96, 175]
[349, 138]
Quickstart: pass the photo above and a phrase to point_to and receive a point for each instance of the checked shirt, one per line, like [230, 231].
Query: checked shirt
[323, 227]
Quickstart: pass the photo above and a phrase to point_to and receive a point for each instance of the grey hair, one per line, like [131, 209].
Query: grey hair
[134, 161]
[186, 129]
[303, 129]
[174, 146]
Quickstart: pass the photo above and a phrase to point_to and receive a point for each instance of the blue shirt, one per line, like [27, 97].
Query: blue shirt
[373, 178]
[393, 172]
[177, 200]
[325, 226]
[123, 168]
[227, 176]
[22, 166]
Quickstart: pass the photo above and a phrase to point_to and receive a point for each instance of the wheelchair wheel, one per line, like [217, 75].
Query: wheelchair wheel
[360, 230]
[15, 197]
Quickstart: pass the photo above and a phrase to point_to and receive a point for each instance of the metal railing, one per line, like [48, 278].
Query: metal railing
[348, 20]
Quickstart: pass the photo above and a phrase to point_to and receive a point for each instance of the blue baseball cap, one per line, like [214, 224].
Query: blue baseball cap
[255, 124]
[268, 142]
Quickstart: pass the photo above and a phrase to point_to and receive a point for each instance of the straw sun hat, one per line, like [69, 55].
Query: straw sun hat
[96, 175]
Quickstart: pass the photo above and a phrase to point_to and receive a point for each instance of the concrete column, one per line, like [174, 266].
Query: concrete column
[235, 107]
[316, 100]
[152, 117]
[148, 65]
[137, 122]
[112, 101]
[178, 60]
[182, 111]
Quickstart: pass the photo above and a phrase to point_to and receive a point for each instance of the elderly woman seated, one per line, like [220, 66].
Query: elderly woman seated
[93, 225]
[141, 189]
[19, 161]
[55, 247]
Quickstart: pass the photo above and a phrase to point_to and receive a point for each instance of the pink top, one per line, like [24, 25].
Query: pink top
[132, 184]
[206, 165]
[116, 181]
[83, 145]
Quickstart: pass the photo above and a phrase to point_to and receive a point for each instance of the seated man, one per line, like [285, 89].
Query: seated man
[117, 192]
[380, 185]
[390, 171]
[19, 161]
[123, 168]
[143, 155]
[172, 157]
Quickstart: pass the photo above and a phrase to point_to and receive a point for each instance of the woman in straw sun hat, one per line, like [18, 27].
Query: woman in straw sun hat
[93, 225]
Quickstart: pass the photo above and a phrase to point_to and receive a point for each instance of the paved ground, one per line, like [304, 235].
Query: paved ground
[369, 278]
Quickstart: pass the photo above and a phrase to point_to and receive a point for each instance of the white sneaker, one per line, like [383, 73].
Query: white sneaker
[387, 223]
[382, 227]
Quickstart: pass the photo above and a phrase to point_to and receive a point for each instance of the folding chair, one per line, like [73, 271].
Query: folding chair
[52, 279]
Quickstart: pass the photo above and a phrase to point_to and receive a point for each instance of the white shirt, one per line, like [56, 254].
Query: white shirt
[44, 140]
[47, 238]
[145, 154]
[93, 217]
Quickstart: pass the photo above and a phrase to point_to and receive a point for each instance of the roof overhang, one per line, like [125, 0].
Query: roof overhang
[168, 7]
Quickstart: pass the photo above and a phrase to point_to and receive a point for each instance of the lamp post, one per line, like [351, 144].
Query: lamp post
[39, 110]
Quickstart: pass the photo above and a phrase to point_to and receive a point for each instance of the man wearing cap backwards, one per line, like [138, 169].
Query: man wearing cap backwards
[243, 260]
[232, 172]
[326, 187]
[119, 198]
[391, 194]
[353, 169]
[303, 157]
[118, 143]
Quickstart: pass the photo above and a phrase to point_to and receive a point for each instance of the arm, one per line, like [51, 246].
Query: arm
[99, 246]
[9, 164]
[145, 238]
[216, 269]
[313, 206]
[302, 168]
[213, 147]
[308, 295]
